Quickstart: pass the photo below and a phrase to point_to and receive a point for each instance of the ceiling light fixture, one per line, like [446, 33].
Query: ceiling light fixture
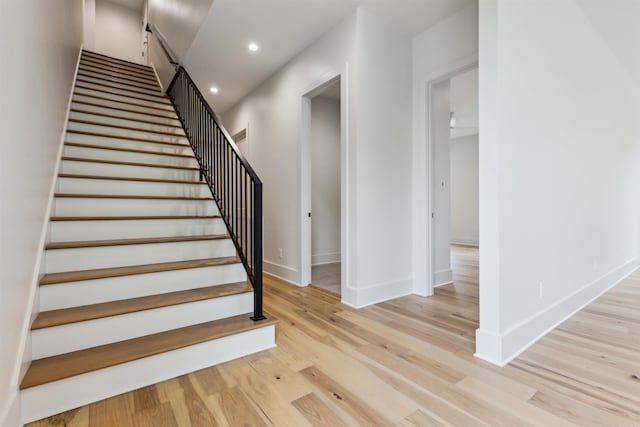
[214, 89]
[253, 47]
[452, 120]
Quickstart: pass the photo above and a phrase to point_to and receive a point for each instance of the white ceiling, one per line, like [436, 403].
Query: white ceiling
[131, 4]
[464, 103]
[219, 55]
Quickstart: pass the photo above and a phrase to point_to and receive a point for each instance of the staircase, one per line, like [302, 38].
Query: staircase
[143, 281]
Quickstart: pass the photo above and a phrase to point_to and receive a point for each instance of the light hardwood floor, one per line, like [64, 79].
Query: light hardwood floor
[407, 362]
[326, 277]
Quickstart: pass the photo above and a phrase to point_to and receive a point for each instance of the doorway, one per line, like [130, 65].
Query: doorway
[323, 157]
[454, 135]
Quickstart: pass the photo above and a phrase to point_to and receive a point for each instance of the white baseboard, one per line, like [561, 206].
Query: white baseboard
[282, 272]
[359, 298]
[441, 278]
[328, 258]
[502, 348]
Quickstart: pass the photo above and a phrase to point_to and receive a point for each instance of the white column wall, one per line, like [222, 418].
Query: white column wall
[40, 46]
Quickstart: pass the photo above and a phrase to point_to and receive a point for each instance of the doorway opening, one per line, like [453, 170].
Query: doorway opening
[322, 155]
[454, 136]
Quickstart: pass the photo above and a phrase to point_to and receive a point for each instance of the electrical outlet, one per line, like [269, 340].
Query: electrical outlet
[280, 253]
[541, 289]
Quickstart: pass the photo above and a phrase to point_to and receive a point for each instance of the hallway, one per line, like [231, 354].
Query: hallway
[407, 362]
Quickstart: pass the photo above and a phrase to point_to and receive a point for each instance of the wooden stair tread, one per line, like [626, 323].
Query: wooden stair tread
[127, 196]
[67, 365]
[114, 162]
[103, 273]
[130, 138]
[91, 53]
[124, 178]
[107, 70]
[144, 91]
[111, 92]
[129, 150]
[131, 218]
[119, 79]
[47, 319]
[111, 67]
[138, 241]
[131, 119]
[132, 128]
[119, 101]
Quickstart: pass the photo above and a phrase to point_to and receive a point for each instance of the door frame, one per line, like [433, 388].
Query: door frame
[305, 178]
[453, 71]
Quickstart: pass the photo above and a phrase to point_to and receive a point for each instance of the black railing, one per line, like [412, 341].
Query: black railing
[234, 185]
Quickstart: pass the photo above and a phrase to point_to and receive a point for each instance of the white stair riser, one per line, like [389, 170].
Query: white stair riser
[65, 295]
[69, 206]
[59, 396]
[123, 97]
[121, 122]
[127, 156]
[86, 79]
[110, 186]
[97, 71]
[144, 97]
[70, 231]
[106, 105]
[77, 336]
[106, 169]
[59, 260]
[125, 133]
[102, 141]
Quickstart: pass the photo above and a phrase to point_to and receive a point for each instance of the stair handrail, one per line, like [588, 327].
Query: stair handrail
[234, 185]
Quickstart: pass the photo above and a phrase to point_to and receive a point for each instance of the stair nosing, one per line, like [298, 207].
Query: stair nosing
[130, 119]
[128, 150]
[143, 303]
[92, 123]
[128, 196]
[113, 162]
[84, 72]
[151, 107]
[135, 241]
[108, 107]
[129, 138]
[82, 79]
[110, 66]
[106, 70]
[110, 92]
[126, 178]
[207, 332]
[132, 270]
[134, 218]
[117, 60]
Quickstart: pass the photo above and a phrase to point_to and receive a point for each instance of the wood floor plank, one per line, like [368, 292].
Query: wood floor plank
[410, 363]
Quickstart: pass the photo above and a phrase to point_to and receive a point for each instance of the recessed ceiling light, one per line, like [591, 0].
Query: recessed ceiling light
[214, 89]
[253, 47]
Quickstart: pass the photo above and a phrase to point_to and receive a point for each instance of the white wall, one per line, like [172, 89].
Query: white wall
[449, 45]
[179, 21]
[40, 46]
[559, 153]
[464, 190]
[274, 114]
[376, 93]
[118, 31]
[89, 24]
[325, 180]
[440, 108]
